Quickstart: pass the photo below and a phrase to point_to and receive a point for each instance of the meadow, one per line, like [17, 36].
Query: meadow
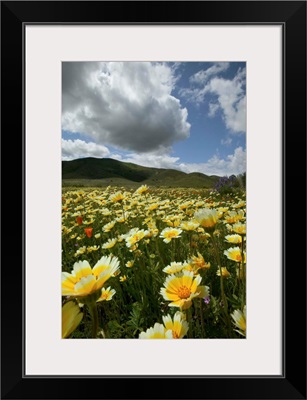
[153, 263]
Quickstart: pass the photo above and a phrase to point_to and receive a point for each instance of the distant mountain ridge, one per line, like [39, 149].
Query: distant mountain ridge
[91, 168]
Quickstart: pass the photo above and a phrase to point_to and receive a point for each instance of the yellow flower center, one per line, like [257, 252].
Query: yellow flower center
[238, 257]
[242, 323]
[184, 292]
[175, 335]
[171, 234]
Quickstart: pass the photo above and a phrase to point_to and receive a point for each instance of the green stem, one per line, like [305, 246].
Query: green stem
[123, 211]
[189, 320]
[224, 298]
[173, 249]
[220, 268]
[94, 314]
[202, 318]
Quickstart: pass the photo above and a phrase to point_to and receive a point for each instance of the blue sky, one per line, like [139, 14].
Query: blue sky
[189, 116]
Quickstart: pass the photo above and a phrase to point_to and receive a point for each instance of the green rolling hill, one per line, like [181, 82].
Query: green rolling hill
[105, 171]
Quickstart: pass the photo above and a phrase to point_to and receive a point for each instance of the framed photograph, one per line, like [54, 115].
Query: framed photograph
[162, 153]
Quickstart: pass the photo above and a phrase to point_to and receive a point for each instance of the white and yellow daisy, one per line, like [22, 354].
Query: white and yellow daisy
[109, 244]
[239, 228]
[189, 225]
[182, 288]
[233, 239]
[129, 264]
[107, 227]
[239, 319]
[71, 318]
[234, 254]
[173, 267]
[158, 331]
[207, 218]
[106, 294]
[225, 272]
[80, 251]
[84, 280]
[116, 197]
[178, 325]
[142, 189]
[198, 262]
[170, 233]
[134, 236]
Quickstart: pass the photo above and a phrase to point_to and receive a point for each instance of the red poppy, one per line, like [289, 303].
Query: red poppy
[88, 232]
[79, 220]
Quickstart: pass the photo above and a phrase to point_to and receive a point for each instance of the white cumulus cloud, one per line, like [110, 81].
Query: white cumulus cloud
[233, 164]
[202, 76]
[227, 141]
[72, 149]
[229, 97]
[153, 160]
[213, 108]
[128, 105]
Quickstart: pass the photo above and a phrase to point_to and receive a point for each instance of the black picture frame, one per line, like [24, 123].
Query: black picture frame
[292, 16]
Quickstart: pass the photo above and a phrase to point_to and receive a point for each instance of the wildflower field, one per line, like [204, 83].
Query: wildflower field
[153, 263]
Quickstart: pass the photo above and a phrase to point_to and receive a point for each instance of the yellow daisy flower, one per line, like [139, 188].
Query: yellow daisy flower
[225, 272]
[89, 249]
[170, 233]
[185, 205]
[207, 218]
[141, 189]
[109, 226]
[153, 207]
[182, 288]
[239, 228]
[80, 251]
[122, 218]
[231, 217]
[198, 262]
[239, 319]
[240, 204]
[134, 236]
[173, 268]
[106, 294]
[189, 225]
[129, 264]
[83, 280]
[233, 239]
[174, 222]
[178, 325]
[109, 244]
[158, 331]
[71, 318]
[116, 197]
[234, 254]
